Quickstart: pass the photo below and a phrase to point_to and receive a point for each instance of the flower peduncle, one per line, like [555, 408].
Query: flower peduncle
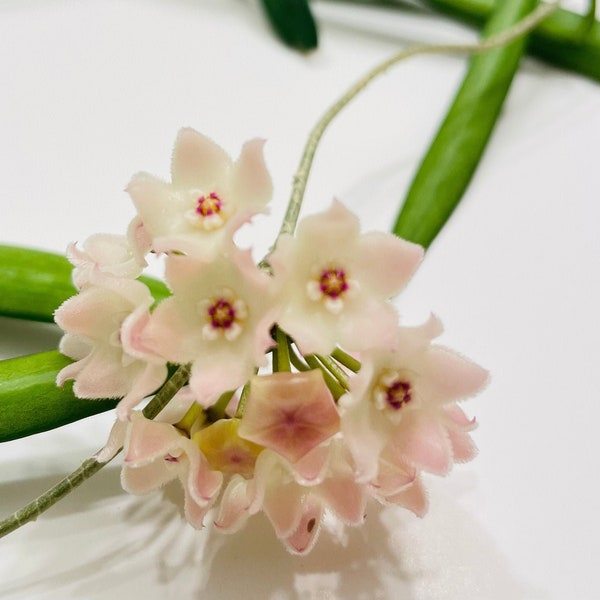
[282, 356]
[335, 387]
[300, 180]
[91, 466]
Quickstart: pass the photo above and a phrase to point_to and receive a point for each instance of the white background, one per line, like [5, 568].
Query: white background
[93, 92]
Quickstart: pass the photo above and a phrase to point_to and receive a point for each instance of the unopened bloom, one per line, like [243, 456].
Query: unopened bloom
[405, 400]
[290, 413]
[335, 283]
[209, 197]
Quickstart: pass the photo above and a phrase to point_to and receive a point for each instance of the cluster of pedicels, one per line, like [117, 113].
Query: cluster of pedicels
[278, 414]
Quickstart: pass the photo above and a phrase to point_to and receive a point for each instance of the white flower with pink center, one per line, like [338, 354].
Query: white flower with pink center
[208, 199]
[219, 319]
[335, 283]
[103, 327]
[319, 434]
[404, 402]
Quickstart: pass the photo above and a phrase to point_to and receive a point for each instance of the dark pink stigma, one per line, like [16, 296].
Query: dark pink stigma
[209, 205]
[398, 394]
[173, 459]
[333, 282]
[222, 314]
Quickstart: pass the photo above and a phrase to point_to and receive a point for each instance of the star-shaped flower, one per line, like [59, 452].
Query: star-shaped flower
[406, 399]
[208, 199]
[335, 283]
[219, 319]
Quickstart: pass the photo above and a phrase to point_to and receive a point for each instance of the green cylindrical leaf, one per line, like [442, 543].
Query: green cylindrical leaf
[30, 402]
[33, 284]
[565, 39]
[454, 154]
[293, 22]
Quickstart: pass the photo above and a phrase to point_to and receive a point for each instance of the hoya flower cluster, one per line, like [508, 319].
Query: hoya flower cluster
[278, 414]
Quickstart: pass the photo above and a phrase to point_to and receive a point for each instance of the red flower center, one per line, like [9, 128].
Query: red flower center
[398, 394]
[209, 205]
[221, 314]
[332, 282]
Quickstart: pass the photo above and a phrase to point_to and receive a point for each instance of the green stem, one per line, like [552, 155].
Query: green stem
[283, 351]
[337, 391]
[239, 413]
[346, 360]
[297, 361]
[217, 410]
[91, 466]
[290, 219]
[42, 503]
[333, 367]
[167, 391]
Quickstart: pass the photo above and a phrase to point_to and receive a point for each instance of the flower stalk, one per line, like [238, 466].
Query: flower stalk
[346, 360]
[300, 180]
[90, 466]
[282, 356]
[335, 387]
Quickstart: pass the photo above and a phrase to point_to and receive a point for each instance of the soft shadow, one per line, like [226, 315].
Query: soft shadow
[343, 564]
[15, 494]
[117, 547]
[20, 337]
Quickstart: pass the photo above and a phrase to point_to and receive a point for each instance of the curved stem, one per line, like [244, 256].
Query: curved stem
[91, 466]
[167, 391]
[301, 176]
[42, 503]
